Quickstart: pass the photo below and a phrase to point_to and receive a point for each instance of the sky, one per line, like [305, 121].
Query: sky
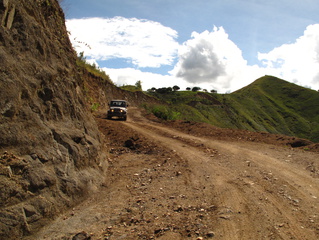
[220, 45]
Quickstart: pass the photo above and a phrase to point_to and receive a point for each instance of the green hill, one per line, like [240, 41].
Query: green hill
[269, 104]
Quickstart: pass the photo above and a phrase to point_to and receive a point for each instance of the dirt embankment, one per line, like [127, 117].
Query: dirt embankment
[50, 146]
[101, 92]
[163, 183]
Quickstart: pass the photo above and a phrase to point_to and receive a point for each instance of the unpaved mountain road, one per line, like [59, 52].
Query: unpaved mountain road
[166, 184]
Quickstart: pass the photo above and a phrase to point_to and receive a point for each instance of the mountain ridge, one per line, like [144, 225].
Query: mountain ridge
[289, 109]
[268, 104]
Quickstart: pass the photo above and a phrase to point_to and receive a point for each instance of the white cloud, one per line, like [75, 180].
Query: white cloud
[297, 62]
[129, 76]
[145, 43]
[211, 58]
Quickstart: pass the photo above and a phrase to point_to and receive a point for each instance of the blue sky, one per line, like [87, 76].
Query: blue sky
[217, 44]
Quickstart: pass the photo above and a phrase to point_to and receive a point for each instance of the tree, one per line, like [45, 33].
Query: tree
[213, 91]
[138, 85]
[195, 89]
[188, 88]
[153, 89]
[176, 88]
[164, 90]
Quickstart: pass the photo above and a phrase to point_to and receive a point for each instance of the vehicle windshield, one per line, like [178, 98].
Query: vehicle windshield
[118, 104]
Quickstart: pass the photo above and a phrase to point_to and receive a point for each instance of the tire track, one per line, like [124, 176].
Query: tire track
[259, 208]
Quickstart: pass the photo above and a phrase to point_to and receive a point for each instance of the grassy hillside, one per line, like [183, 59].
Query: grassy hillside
[277, 106]
[268, 104]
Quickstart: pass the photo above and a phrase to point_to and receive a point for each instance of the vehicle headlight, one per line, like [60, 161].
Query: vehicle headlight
[112, 110]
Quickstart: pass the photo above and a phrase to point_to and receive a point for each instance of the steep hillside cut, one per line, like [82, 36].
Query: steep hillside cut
[49, 143]
[99, 92]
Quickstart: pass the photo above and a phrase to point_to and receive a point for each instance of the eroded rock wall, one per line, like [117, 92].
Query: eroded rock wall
[50, 147]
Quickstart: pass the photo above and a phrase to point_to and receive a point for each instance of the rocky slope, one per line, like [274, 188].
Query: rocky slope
[50, 146]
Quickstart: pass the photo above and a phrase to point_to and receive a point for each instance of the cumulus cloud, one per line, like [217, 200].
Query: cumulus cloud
[142, 42]
[209, 57]
[297, 62]
[209, 60]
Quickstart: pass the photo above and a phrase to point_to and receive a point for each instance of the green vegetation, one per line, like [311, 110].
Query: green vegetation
[162, 112]
[94, 106]
[133, 88]
[274, 105]
[269, 104]
[92, 68]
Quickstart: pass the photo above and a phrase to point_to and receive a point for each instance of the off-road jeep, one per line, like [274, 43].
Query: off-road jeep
[118, 109]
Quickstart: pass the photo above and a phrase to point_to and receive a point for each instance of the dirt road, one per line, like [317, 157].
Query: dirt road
[166, 184]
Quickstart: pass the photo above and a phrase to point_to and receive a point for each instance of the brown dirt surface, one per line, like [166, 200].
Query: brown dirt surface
[191, 181]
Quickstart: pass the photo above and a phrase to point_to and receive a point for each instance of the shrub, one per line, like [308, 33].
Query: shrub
[163, 112]
[94, 106]
[176, 88]
[195, 89]
[164, 90]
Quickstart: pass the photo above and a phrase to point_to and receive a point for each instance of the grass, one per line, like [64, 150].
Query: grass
[269, 104]
[93, 69]
[280, 106]
[130, 88]
[162, 111]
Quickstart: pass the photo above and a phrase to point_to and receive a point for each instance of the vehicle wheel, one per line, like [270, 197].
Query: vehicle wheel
[124, 119]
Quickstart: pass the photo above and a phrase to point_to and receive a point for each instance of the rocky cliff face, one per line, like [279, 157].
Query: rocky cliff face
[49, 143]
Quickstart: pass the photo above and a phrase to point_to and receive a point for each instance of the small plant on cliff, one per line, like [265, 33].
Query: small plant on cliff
[94, 107]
